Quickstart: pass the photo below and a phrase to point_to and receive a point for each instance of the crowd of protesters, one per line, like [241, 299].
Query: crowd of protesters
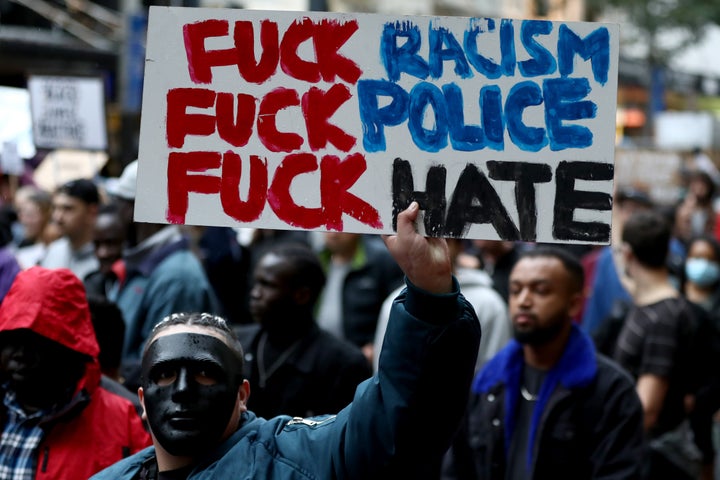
[594, 361]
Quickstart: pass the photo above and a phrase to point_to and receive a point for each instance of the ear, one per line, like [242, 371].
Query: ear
[92, 210]
[302, 296]
[141, 397]
[576, 303]
[243, 395]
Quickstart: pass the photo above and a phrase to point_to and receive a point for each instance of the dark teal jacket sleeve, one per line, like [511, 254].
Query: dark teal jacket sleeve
[402, 420]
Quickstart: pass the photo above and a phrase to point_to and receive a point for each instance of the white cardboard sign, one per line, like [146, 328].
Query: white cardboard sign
[500, 129]
[68, 112]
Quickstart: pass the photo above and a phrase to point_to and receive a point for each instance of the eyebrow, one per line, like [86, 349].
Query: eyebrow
[185, 360]
[532, 282]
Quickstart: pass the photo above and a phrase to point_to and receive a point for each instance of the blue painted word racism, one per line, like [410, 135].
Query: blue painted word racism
[562, 95]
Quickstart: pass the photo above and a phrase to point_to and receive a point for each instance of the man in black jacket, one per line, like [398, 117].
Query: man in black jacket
[295, 367]
[547, 405]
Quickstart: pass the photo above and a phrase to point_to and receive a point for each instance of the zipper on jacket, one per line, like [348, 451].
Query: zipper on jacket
[308, 422]
[46, 453]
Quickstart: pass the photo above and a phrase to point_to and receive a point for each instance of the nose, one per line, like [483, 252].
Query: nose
[183, 386]
[24, 354]
[101, 250]
[524, 298]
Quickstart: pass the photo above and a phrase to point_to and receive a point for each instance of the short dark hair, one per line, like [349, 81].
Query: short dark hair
[648, 235]
[703, 176]
[82, 189]
[710, 240]
[200, 319]
[307, 269]
[109, 325]
[632, 194]
[570, 262]
[109, 208]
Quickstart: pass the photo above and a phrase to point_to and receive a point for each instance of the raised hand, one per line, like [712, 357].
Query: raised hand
[424, 260]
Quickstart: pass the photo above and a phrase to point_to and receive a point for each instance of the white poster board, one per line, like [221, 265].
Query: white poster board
[68, 112]
[500, 129]
[685, 130]
[15, 125]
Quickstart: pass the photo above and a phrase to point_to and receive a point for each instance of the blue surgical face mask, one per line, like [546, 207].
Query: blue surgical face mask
[702, 271]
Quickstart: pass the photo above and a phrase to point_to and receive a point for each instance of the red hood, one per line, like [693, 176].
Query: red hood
[53, 304]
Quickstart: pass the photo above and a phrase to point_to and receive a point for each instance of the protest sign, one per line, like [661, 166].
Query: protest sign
[501, 129]
[68, 112]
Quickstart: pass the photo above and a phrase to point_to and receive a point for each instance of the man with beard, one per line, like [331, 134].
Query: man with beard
[194, 394]
[547, 405]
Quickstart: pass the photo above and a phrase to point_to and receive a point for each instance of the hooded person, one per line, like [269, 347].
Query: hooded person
[57, 421]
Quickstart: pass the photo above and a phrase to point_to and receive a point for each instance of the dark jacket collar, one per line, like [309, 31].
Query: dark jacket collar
[301, 359]
[576, 368]
[147, 460]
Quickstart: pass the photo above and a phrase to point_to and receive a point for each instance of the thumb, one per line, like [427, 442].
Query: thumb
[406, 219]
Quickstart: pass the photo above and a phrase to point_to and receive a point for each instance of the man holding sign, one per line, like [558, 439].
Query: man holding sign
[194, 396]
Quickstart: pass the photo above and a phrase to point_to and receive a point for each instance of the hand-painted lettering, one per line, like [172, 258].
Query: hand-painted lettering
[275, 140]
[475, 200]
[562, 97]
[595, 47]
[567, 200]
[445, 47]
[401, 43]
[318, 107]
[525, 175]
[542, 61]
[559, 98]
[180, 184]
[326, 36]
[264, 113]
[336, 178]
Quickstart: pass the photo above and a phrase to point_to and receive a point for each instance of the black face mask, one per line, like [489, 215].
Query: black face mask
[190, 383]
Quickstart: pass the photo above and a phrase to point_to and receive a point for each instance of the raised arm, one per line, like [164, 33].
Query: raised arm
[403, 420]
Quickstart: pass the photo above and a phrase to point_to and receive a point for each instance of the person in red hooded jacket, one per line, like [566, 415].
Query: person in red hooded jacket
[57, 422]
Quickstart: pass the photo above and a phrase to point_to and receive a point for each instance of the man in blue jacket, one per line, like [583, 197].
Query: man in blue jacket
[399, 424]
[547, 405]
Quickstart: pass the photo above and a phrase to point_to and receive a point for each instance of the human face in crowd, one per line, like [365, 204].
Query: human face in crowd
[192, 389]
[109, 238]
[341, 243]
[702, 267]
[71, 215]
[41, 372]
[32, 218]
[273, 296]
[541, 300]
[126, 210]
